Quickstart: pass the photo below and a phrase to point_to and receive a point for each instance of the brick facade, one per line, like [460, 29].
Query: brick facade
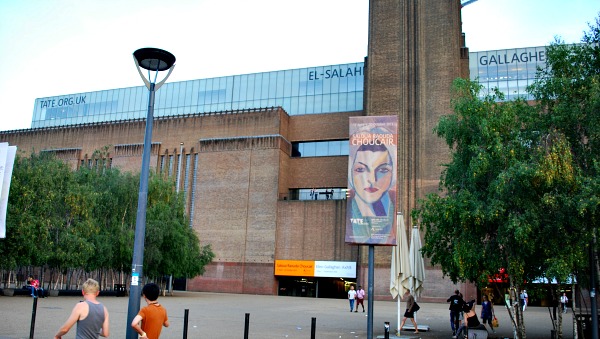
[243, 162]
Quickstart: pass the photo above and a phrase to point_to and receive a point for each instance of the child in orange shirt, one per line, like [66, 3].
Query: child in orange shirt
[153, 317]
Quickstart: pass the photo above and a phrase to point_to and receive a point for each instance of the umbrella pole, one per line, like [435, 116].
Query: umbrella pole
[398, 323]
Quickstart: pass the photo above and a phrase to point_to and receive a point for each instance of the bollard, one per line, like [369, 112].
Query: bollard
[246, 325]
[33, 312]
[386, 327]
[313, 327]
[185, 322]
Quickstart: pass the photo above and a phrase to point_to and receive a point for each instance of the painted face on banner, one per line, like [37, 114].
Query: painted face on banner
[372, 173]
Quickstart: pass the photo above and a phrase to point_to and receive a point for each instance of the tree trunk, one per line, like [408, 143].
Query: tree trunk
[519, 321]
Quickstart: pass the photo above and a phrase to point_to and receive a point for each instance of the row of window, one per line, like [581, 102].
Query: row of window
[320, 148]
[325, 89]
[511, 70]
[332, 193]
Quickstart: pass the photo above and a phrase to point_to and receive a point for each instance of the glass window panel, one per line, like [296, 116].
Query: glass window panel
[235, 92]
[272, 86]
[318, 103]
[304, 83]
[334, 148]
[302, 105]
[250, 87]
[187, 92]
[343, 102]
[310, 104]
[295, 82]
[223, 90]
[265, 85]
[243, 87]
[334, 102]
[326, 103]
[160, 98]
[202, 92]
[195, 90]
[321, 149]
[280, 84]
[287, 104]
[178, 94]
[309, 149]
[345, 147]
[293, 105]
[257, 86]
[228, 90]
[287, 83]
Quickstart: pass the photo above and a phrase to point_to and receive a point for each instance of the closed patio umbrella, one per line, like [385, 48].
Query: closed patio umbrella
[400, 272]
[417, 266]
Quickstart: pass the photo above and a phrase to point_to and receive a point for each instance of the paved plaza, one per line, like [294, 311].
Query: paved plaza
[221, 315]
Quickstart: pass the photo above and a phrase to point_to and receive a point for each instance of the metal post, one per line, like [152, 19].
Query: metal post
[33, 313]
[185, 322]
[153, 60]
[140, 224]
[371, 293]
[246, 325]
[313, 328]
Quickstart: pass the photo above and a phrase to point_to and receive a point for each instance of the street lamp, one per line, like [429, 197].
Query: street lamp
[153, 60]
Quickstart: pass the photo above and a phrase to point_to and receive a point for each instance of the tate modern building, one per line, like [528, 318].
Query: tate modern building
[263, 157]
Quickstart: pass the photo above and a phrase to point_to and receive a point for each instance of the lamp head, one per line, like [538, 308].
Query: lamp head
[154, 59]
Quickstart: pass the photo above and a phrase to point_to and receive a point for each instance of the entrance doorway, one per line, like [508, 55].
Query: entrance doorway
[312, 287]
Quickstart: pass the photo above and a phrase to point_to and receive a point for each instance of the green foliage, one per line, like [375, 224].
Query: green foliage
[171, 246]
[86, 219]
[521, 190]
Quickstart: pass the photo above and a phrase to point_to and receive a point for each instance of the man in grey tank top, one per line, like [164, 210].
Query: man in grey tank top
[90, 315]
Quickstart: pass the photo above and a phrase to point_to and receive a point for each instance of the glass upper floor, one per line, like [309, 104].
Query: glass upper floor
[324, 89]
[509, 70]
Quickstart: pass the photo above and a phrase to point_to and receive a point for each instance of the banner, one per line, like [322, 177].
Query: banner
[7, 159]
[372, 167]
[309, 268]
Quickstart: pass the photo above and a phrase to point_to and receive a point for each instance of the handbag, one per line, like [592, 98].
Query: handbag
[416, 307]
[495, 322]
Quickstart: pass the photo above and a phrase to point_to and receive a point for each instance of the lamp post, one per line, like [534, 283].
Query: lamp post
[152, 60]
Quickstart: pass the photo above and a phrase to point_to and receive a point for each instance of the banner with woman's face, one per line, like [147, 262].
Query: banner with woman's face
[372, 167]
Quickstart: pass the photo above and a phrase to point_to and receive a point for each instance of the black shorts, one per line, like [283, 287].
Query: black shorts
[408, 314]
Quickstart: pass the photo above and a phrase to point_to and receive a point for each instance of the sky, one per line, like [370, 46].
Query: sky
[59, 47]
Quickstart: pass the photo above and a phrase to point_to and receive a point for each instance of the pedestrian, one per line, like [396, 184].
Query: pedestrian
[34, 285]
[563, 302]
[456, 306]
[524, 299]
[487, 312]
[470, 320]
[410, 311]
[153, 316]
[351, 297]
[90, 315]
[360, 298]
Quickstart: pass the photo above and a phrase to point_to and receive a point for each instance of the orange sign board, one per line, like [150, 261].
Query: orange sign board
[295, 268]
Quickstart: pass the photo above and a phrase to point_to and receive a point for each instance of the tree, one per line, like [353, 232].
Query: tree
[171, 246]
[85, 220]
[521, 189]
[38, 191]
